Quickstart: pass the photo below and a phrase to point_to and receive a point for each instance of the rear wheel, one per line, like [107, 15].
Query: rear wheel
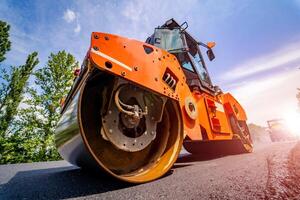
[240, 143]
[131, 149]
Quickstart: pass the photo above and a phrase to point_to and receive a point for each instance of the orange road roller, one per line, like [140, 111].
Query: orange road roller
[135, 104]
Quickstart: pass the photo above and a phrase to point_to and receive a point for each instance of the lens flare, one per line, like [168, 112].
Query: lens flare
[292, 120]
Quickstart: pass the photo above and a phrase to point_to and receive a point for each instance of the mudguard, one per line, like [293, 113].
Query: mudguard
[145, 65]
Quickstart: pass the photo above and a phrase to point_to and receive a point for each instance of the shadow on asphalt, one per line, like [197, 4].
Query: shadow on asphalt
[71, 182]
[58, 183]
[183, 158]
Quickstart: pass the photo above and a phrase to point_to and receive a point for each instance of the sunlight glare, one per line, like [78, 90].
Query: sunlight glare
[292, 121]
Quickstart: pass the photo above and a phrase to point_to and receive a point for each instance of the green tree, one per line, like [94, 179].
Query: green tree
[37, 122]
[11, 94]
[4, 39]
[12, 90]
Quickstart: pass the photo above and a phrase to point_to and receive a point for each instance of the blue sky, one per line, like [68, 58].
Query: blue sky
[257, 51]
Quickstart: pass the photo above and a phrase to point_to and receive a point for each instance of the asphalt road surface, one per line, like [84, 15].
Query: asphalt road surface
[271, 172]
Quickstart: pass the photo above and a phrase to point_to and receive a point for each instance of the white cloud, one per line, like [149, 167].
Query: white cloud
[134, 10]
[78, 28]
[143, 16]
[269, 97]
[266, 86]
[279, 58]
[69, 16]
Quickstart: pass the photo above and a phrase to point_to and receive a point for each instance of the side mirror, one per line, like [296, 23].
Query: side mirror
[184, 26]
[210, 54]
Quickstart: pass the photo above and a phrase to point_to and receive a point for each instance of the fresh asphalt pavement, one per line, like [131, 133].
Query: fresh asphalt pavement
[244, 176]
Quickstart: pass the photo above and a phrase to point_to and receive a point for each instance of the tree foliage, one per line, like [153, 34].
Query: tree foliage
[37, 122]
[12, 90]
[4, 39]
[11, 94]
[27, 133]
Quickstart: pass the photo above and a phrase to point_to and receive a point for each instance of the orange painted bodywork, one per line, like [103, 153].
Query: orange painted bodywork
[128, 59]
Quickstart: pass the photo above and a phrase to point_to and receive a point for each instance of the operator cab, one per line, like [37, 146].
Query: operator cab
[173, 38]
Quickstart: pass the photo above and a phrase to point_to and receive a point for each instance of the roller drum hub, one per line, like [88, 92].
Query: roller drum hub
[130, 133]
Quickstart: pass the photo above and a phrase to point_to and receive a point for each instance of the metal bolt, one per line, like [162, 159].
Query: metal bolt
[152, 132]
[95, 48]
[109, 112]
[135, 68]
[96, 37]
[123, 73]
[110, 130]
[156, 79]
